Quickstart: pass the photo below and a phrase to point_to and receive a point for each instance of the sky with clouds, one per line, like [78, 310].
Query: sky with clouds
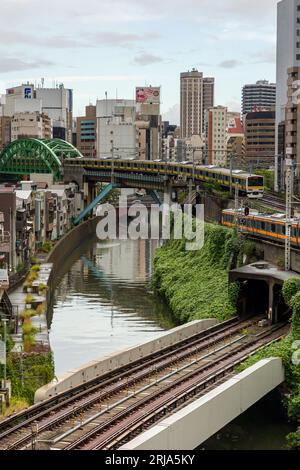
[114, 45]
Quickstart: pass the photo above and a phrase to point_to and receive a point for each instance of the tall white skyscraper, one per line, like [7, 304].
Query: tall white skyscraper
[288, 55]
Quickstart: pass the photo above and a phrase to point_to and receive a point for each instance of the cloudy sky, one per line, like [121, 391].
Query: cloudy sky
[114, 45]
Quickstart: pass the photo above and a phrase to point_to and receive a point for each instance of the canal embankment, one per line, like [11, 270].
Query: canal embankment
[29, 359]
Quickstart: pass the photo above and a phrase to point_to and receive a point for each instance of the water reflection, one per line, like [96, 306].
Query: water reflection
[101, 303]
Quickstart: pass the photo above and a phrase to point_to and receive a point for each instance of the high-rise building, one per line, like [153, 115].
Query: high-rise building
[292, 116]
[196, 95]
[86, 132]
[259, 96]
[288, 55]
[260, 138]
[116, 129]
[58, 104]
[216, 136]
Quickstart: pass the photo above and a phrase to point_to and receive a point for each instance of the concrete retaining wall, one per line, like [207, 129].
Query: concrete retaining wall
[70, 242]
[116, 360]
[273, 253]
[194, 424]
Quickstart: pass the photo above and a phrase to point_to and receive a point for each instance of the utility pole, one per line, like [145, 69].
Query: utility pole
[236, 205]
[4, 359]
[22, 367]
[288, 223]
[231, 170]
[112, 159]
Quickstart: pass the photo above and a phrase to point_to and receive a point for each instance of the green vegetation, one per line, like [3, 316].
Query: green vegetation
[41, 309]
[46, 247]
[38, 370]
[27, 373]
[35, 268]
[217, 190]
[43, 287]
[29, 299]
[269, 176]
[195, 283]
[27, 314]
[285, 350]
[20, 267]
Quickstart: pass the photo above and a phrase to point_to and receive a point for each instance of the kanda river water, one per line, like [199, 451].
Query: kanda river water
[102, 303]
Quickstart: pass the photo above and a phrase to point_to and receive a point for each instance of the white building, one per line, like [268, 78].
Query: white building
[216, 135]
[20, 99]
[288, 55]
[58, 104]
[116, 129]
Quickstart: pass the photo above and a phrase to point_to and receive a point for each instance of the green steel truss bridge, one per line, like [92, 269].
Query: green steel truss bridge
[25, 156]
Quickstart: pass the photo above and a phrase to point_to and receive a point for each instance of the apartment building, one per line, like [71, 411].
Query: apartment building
[196, 96]
[216, 136]
[260, 138]
[259, 95]
[86, 132]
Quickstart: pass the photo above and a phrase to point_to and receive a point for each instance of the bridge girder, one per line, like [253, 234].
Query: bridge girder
[25, 156]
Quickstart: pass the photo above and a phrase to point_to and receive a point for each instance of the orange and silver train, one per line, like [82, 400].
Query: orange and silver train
[270, 227]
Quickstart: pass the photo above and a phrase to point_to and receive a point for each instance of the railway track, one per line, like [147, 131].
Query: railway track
[273, 202]
[36, 412]
[98, 408]
[126, 424]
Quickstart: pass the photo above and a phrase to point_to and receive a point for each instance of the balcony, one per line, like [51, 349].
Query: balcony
[291, 139]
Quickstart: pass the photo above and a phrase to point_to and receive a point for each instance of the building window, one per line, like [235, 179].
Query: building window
[298, 56]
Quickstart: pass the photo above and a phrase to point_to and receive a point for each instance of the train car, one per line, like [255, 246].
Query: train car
[266, 226]
[248, 185]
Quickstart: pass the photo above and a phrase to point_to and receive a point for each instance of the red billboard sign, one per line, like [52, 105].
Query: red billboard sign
[148, 95]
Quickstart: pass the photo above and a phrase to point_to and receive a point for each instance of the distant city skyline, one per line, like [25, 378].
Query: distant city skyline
[115, 45]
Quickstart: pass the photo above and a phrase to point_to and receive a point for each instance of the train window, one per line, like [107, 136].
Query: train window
[263, 226]
[255, 181]
[273, 228]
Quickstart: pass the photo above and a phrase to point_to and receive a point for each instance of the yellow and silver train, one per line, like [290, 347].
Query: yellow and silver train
[270, 227]
[248, 184]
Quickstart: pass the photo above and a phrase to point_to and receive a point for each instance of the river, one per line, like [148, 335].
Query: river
[102, 303]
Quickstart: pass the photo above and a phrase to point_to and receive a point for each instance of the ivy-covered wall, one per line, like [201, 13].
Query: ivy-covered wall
[195, 283]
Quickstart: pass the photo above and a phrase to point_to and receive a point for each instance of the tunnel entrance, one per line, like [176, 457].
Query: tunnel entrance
[253, 298]
[261, 291]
